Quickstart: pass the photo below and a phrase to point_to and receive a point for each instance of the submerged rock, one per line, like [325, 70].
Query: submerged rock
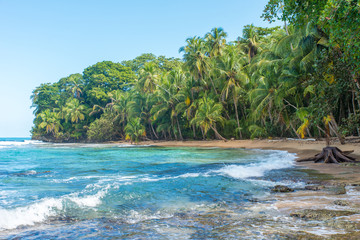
[344, 225]
[320, 214]
[299, 235]
[282, 188]
[314, 187]
[341, 203]
[338, 190]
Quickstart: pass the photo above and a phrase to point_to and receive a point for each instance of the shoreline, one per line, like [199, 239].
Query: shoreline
[343, 173]
[335, 195]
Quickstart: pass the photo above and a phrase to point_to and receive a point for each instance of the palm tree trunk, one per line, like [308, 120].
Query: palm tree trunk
[152, 128]
[212, 82]
[194, 134]
[177, 121]
[202, 132]
[292, 127]
[237, 116]
[335, 128]
[217, 134]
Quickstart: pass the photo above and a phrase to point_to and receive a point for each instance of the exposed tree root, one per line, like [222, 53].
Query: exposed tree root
[330, 155]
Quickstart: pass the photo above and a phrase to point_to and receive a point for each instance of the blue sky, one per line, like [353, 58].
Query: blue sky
[42, 40]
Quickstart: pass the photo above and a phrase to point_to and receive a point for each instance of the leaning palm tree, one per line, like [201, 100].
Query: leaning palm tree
[208, 115]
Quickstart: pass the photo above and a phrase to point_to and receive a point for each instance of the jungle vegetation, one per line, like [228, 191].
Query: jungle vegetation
[270, 82]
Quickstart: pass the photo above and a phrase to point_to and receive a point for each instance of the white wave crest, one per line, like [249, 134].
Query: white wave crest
[49, 207]
[7, 144]
[29, 215]
[277, 160]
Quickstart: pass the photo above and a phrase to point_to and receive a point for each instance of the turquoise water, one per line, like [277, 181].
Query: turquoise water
[106, 191]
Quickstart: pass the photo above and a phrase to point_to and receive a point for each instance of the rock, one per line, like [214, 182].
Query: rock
[298, 235]
[343, 225]
[320, 214]
[341, 203]
[347, 236]
[314, 187]
[338, 190]
[282, 188]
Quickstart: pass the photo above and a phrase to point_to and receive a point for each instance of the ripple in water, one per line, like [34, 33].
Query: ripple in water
[104, 191]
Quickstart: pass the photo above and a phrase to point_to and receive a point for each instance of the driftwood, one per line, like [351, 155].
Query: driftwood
[330, 155]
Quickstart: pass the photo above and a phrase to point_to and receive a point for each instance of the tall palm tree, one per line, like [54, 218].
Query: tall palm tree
[148, 77]
[216, 41]
[233, 78]
[196, 59]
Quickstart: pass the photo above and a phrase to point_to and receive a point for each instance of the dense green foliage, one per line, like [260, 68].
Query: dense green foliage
[270, 82]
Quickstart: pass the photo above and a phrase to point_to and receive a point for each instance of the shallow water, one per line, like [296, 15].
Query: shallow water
[136, 192]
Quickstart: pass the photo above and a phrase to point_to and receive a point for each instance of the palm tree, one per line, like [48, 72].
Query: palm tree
[208, 115]
[216, 41]
[76, 85]
[49, 121]
[233, 78]
[148, 77]
[167, 99]
[196, 59]
[249, 43]
[75, 111]
[134, 130]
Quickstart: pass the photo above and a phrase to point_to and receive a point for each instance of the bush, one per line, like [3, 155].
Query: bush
[101, 130]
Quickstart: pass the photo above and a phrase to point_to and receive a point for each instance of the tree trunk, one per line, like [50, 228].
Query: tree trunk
[330, 155]
[217, 134]
[292, 127]
[212, 82]
[237, 116]
[335, 128]
[177, 121]
[202, 132]
[152, 128]
[194, 134]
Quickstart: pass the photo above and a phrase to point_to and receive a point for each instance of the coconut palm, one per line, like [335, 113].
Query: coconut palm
[75, 111]
[197, 60]
[49, 121]
[208, 115]
[134, 130]
[216, 41]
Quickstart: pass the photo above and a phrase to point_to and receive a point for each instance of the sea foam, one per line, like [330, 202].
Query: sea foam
[276, 160]
[48, 207]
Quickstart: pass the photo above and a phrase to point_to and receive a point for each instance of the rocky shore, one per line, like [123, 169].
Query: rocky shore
[328, 207]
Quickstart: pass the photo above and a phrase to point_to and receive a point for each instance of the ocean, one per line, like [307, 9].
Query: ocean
[119, 191]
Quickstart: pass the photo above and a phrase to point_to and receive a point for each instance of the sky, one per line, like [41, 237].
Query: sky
[42, 41]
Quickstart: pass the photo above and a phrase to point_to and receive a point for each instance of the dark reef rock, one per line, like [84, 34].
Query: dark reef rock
[314, 187]
[320, 214]
[282, 188]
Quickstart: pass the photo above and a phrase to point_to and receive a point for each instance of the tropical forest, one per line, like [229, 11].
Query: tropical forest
[293, 80]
